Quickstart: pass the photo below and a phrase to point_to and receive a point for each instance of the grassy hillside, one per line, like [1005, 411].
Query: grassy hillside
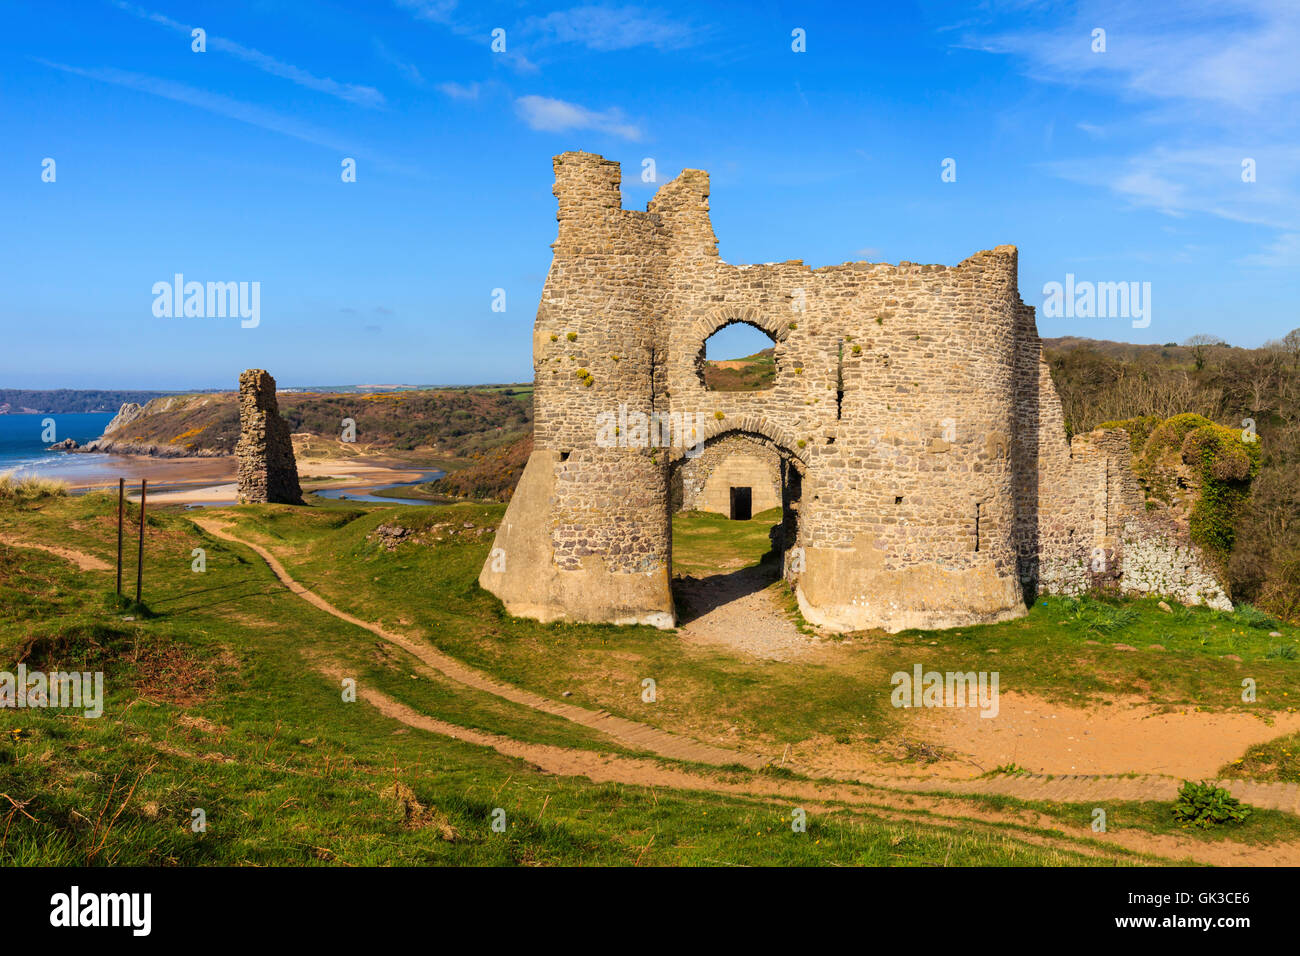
[490, 475]
[224, 697]
[748, 374]
[448, 423]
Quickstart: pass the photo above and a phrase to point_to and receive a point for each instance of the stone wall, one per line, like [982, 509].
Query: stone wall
[937, 486]
[267, 471]
[704, 483]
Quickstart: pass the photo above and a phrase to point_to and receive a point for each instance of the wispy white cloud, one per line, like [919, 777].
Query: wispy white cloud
[554, 116]
[350, 92]
[1282, 253]
[609, 28]
[447, 14]
[221, 105]
[1238, 54]
[1203, 180]
[1214, 83]
[409, 70]
[435, 11]
[460, 91]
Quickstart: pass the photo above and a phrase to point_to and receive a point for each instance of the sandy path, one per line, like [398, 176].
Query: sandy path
[738, 612]
[892, 801]
[87, 562]
[1069, 788]
[628, 732]
[1123, 735]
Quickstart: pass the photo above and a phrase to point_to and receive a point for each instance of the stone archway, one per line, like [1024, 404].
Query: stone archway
[716, 567]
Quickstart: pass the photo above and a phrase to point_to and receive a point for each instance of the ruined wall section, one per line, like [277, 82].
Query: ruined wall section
[602, 511]
[913, 455]
[1081, 517]
[703, 483]
[266, 468]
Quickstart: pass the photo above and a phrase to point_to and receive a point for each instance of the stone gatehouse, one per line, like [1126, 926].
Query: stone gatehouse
[925, 471]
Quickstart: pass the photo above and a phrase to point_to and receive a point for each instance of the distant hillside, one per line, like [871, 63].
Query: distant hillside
[491, 475]
[448, 423]
[748, 374]
[59, 401]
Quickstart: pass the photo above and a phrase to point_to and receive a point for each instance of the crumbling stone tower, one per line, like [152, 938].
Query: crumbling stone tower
[267, 469]
[926, 475]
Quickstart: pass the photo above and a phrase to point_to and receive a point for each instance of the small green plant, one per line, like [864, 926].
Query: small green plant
[1204, 806]
[1009, 769]
[1250, 616]
[554, 337]
[1097, 616]
[801, 443]
[1282, 652]
[857, 350]
[572, 336]
[880, 320]
[794, 325]
[719, 416]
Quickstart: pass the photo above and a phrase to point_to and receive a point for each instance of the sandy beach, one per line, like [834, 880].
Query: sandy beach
[187, 481]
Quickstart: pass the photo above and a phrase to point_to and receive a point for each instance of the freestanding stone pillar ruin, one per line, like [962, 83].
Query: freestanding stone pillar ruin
[267, 469]
[927, 478]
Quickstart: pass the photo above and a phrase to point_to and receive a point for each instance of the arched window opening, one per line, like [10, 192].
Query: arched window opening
[739, 357]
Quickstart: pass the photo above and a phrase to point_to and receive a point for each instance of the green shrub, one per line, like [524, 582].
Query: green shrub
[1223, 464]
[1139, 430]
[1203, 805]
[1098, 616]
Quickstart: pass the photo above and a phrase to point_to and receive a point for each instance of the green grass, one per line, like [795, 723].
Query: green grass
[705, 543]
[214, 702]
[29, 488]
[1157, 818]
[1062, 650]
[1277, 759]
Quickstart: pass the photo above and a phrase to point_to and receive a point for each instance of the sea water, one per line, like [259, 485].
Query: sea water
[25, 442]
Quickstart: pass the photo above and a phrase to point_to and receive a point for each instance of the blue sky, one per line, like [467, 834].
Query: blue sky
[1123, 165]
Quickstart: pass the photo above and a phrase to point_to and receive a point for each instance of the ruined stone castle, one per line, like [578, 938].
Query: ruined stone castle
[922, 458]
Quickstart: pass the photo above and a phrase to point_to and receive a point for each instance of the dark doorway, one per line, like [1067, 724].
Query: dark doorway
[742, 504]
